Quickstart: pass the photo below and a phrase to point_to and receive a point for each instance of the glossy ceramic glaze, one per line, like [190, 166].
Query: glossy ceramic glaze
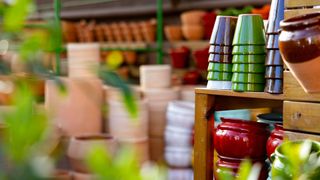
[249, 30]
[201, 58]
[248, 137]
[247, 87]
[217, 49]
[248, 59]
[223, 30]
[219, 76]
[179, 57]
[248, 78]
[220, 58]
[219, 85]
[276, 15]
[248, 68]
[273, 58]
[220, 67]
[273, 41]
[274, 86]
[248, 49]
[275, 139]
[274, 72]
[299, 44]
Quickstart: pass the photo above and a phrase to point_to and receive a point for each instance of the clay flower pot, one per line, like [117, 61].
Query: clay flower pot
[80, 145]
[193, 32]
[248, 137]
[194, 17]
[130, 57]
[275, 139]
[69, 31]
[173, 32]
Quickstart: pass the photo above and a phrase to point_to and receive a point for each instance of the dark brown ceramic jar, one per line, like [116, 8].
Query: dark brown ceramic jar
[299, 44]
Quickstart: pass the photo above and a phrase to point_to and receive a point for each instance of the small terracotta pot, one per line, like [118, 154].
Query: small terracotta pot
[193, 32]
[79, 147]
[173, 32]
[69, 32]
[130, 57]
[249, 137]
[194, 17]
[275, 139]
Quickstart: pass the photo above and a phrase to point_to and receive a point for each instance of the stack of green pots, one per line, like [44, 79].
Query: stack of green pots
[249, 54]
[220, 58]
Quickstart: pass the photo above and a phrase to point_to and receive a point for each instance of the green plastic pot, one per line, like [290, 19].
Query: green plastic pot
[246, 87]
[249, 30]
[248, 68]
[219, 76]
[248, 49]
[245, 59]
[220, 67]
[248, 78]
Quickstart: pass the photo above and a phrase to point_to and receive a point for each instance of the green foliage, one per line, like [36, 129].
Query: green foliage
[246, 171]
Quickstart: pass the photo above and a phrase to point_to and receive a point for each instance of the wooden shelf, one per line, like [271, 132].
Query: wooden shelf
[257, 95]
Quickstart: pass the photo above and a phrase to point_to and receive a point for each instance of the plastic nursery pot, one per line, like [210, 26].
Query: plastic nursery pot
[248, 78]
[274, 86]
[276, 15]
[248, 68]
[249, 137]
[217, 49]
[274, 72]
[274, 58]
[249, 58]
[223, 30]
[302, 53]
[273, 41]
[220, 67]
[219, 76]
[249, 30]
[248, 49]
[246, 87]
[220, 58]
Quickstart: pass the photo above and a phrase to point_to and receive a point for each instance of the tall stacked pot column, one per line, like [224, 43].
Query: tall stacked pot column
[248, 54]
[220, 58]
[274, 63]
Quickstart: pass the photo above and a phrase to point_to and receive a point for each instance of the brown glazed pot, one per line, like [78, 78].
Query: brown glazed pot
[299, 44]
[79, 146]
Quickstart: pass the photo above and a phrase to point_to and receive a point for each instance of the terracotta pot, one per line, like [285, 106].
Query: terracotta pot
[193, 32]
[300, 48]
[249, 137]
[79, 147]
[140, 148]
[149, 30]
[130, 57]
[136, 32]
[156, 149]
[108, 33]
[83, 176]
[116, 30]
[193, 17]
[173, 32]
[275, 139]
[69, 31]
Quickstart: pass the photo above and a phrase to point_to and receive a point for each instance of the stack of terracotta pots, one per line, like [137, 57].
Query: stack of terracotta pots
[178, 135]
[220, 58]
[274, 63]
[192, 24]
[127, 130]
[158, 99]
[249, 54]
[83, 60]
[249, 138]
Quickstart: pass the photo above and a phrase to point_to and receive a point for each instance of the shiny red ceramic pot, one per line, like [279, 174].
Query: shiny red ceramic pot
[275, 139]
[232, 166]
[237, 138]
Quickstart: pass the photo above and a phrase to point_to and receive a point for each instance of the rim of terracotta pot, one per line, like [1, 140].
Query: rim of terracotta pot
[300, 22]
[88, 137]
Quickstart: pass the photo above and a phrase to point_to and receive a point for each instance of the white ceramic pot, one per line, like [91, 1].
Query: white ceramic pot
[219, 85]
[158, 94]
[178, 157]
[122, 126]
[140, 148]
[155, 76]
[178, 137]
[181, 114]
[112, 93]
[80, 146]
[180, 174]
[79, 110]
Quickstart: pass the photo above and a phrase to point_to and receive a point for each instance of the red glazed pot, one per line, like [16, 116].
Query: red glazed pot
[201, 58]
[275, 139]
[179, 57]
[237, 138]
[233, 165]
